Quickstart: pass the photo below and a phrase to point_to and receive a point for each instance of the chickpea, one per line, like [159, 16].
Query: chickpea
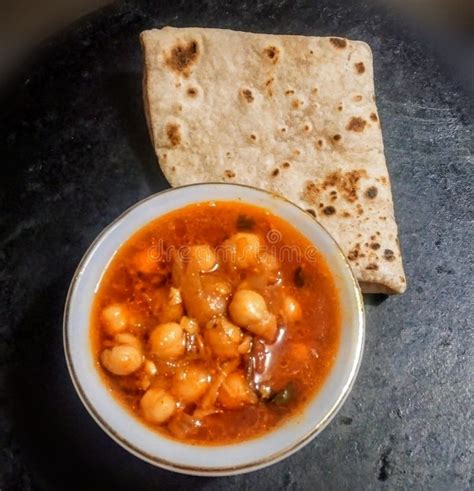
[203, 257]
[244, 248]
[247, 307]
[266, 328]
[122, 360]
[291, 309]
[115, 318]
[235, 392]
[147, 261]
[157, 405]
[268, 263]
[128, 339]
[190, 383]
[167, 341]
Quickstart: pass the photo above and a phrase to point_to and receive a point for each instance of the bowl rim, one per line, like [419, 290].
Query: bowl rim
[228, 470]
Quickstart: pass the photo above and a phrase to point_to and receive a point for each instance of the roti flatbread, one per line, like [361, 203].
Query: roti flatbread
[294, 115]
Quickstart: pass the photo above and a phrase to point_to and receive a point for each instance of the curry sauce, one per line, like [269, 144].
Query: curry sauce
[215, 323]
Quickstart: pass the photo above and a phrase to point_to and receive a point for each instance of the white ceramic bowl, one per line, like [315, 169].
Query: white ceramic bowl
[193, 459]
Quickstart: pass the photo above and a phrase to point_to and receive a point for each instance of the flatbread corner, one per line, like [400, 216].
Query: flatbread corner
[295, 115]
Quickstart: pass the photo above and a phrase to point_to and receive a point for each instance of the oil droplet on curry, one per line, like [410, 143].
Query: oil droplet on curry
[216, 323]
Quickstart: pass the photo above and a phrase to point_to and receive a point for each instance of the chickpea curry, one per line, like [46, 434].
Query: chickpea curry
[215, 323]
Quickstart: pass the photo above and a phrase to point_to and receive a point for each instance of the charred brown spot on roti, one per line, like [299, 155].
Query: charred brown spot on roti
[357, 98]
[229, 173]
[402, 279]
[314, 90]
[339, 108]
[354, 253]
[182, 56]
[345, 214]
[375, 246]
[346, 183]
[247, 95]
[275, 172]
[192, 92]
[329, 210]
[310, 192]
[356, 124]
[320, 143]
[360, 67]
[296, 103]
[253, 137]
[336, 137]
[173, 169]
[383, 180]
[311, 212]
[389, 255]
[338, 42]
[268, 85]
[285, 165]
[283, 129]
[371, 192]
[307, 128]
[173, 134]
[296, 151]
[164, 157]
[289, 92]
[272, 52]
[373, 117]
[372, 267]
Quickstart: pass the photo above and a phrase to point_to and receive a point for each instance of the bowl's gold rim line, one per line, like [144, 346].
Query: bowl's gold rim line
[212, 471]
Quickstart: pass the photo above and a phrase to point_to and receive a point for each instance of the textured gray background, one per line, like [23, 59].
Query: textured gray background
[75, 153]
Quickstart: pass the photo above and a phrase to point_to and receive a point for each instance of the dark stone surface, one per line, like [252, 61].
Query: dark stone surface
[75, 153]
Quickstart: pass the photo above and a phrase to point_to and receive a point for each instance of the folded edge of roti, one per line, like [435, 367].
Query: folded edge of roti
[294, 115]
